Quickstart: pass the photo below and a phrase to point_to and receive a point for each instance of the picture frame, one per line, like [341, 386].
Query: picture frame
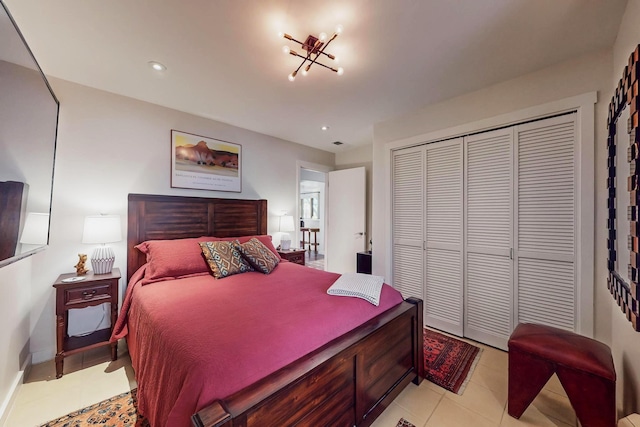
[623, 202]
[204, 163]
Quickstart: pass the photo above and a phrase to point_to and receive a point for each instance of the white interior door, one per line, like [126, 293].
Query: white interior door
[545, 218]
[443, 298]
[489, 228]
[407, 221]
[346, 232]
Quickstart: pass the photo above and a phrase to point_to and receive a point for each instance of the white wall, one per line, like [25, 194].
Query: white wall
[15, 304]
[624, 341]
[110, 146]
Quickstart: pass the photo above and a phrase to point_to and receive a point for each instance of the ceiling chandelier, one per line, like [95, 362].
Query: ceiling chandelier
[315, 47]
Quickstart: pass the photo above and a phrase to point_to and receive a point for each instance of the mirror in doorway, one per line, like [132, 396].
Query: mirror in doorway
[310, 205]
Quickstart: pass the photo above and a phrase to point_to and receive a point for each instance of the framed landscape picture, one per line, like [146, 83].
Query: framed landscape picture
[202, 163]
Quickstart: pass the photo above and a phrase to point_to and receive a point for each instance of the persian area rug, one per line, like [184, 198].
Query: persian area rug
[449, 362]
[404, 423]
[118, 411]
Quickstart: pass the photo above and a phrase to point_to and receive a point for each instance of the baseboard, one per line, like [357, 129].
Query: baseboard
[7, 404]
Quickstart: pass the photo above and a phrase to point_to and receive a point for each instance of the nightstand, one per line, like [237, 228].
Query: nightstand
[293, 255]
[93, 289]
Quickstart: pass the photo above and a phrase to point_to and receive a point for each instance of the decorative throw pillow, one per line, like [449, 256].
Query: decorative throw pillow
[265, 239]
[173, 259]
[258, 255]
[224, 259]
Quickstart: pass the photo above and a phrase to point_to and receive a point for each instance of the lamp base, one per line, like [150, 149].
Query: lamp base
[102, 260]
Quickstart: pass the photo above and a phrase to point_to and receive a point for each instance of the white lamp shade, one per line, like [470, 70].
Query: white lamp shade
[102, 229]
[36, 229]
[286, 223]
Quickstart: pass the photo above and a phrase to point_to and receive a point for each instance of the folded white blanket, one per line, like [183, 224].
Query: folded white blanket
[358, 285]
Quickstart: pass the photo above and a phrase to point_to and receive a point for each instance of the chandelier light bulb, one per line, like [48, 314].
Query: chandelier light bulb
[336, 58]
[292, 77]
[305, 71]
[286, 50]
[280, 34]
[340, 71]
[339, 29]
[322, 36]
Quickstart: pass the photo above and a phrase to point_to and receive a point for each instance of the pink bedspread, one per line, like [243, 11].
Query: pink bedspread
[195, 340]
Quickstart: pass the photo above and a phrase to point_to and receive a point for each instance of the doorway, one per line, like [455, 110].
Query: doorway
[311, 209]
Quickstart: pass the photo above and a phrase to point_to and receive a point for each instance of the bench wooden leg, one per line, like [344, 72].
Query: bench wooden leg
[593, 398]
[527, 376]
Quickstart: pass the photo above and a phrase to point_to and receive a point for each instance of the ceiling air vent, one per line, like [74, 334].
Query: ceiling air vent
[337, 143]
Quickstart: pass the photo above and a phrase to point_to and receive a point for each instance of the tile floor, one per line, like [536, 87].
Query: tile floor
[91, 377]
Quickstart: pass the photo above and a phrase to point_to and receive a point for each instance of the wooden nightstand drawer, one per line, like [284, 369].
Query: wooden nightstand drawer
[293, 255]
[297, 258]
[89, 293]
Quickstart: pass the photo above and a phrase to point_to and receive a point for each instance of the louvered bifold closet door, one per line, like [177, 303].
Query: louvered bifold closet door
[407, 223]
[489, 230]
[545, 222]
[443, 301]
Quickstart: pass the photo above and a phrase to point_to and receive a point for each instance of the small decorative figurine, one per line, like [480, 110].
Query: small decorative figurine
[80, 270]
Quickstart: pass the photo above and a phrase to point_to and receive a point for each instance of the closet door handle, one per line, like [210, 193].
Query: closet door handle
[511, 253]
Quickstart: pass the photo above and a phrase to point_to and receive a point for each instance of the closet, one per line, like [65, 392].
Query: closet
[484, 228]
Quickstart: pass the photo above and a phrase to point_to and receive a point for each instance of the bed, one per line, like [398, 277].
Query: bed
[304, 358]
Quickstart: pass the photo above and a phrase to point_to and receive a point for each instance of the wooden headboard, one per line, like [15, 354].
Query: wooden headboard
[153, 217]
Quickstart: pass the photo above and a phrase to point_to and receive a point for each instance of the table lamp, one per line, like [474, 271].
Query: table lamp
[102, 229]
[286, 224]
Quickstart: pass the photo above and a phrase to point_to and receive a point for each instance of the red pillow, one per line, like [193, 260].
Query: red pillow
[171, 259]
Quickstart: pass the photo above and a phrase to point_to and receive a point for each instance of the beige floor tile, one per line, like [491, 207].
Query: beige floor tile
[450, 414]
[96, 356]
[391, 416]
[419, 400]
[433, 387]
[496, 380]
[555, 406]
[554, 385]
[105, 380]
[532, 417]
[631, 420]
[481, 400]
[47, 408]
[495, 358]
[42, 383]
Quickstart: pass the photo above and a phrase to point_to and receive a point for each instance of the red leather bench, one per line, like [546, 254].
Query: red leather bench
[583, 365]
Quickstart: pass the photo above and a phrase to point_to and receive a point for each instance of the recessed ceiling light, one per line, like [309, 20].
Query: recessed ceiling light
[157, 66]
[325, 128]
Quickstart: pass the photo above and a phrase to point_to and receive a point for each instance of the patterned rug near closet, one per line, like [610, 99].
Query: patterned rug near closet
[404, 423]
[449, 362]
[118, 411]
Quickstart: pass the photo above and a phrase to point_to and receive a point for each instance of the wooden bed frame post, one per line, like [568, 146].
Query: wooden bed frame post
[418, 335]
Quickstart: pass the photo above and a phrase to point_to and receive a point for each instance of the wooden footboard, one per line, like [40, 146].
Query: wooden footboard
[348, 382]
